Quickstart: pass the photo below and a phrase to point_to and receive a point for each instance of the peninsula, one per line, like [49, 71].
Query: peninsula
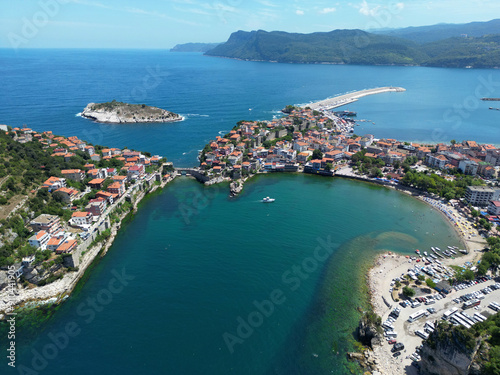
[58, 220]
[123, 113]
[55, 226]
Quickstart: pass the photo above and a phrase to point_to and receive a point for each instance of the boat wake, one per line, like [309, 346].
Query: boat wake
[195, 115]
[190, 152]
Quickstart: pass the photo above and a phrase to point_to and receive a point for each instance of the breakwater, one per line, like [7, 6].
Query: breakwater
[352, 97]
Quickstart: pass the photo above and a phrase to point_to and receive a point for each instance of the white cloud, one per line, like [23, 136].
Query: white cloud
[268, 3]
[220, 7]
[299, 12]
[90, 3]
[327, 10]
[399, 6]
[192, 10]
[367, 10]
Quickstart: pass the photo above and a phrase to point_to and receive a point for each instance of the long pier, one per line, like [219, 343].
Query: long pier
[352, 97]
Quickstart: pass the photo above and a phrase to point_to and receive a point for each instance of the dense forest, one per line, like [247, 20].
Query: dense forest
[433, 33]
[360, 47]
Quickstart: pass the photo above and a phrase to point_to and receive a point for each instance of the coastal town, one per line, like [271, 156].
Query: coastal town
[322, 142]
[96, 187]
[95, 197]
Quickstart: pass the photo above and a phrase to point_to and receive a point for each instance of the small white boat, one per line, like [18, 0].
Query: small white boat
[268, 200]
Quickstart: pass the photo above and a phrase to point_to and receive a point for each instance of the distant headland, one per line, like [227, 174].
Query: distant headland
[123, 113]
[194, 47]
[472, 45]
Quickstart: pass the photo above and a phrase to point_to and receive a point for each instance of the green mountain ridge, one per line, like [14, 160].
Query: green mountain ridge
[433, 33]
[359, 48]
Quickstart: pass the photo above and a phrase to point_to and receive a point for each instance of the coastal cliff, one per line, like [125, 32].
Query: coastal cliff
[123, 113]
[369, 331]
[450, 351]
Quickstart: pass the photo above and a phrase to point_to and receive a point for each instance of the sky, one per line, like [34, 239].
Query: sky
[165, 23]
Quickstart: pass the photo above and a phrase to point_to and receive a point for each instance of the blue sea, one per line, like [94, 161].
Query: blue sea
[46, 89]
[199, 283]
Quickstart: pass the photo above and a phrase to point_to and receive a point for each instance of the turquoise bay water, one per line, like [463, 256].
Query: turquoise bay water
[199, 260]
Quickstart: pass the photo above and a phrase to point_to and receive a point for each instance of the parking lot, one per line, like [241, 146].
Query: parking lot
[431, 308]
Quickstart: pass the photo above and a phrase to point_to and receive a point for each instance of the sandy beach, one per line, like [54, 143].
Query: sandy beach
[388, 266]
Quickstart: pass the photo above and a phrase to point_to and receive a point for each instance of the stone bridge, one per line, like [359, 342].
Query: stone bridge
[193, 172]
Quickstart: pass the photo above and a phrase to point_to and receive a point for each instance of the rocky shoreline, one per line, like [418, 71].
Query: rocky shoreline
[57, 291]
[123, 113]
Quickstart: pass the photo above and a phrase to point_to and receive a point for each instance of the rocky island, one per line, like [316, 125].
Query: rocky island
[123, 113]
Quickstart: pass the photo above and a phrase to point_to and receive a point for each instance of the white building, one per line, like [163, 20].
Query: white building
[468, 167]
[481, 195]
[494, 208]
[39, 240]
[81, 218]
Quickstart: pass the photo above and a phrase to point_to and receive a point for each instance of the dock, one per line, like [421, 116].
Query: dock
[341, 100]
[491, 99]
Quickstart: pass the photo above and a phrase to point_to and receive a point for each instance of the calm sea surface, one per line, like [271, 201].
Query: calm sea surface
[45, 89]
[198, 270]
[197, 264]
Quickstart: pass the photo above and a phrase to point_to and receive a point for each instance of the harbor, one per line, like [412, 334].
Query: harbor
[349, 98]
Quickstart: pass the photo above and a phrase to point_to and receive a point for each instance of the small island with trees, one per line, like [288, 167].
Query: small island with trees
[115, 112]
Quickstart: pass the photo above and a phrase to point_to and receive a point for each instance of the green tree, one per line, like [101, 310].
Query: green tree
[430, 283]
[469, 275]
[408, 292]
[317, 155]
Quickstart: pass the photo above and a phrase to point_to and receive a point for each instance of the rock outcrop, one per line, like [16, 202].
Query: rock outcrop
[449, 351]
[369, 332]
[235, 188]
[122, 113]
